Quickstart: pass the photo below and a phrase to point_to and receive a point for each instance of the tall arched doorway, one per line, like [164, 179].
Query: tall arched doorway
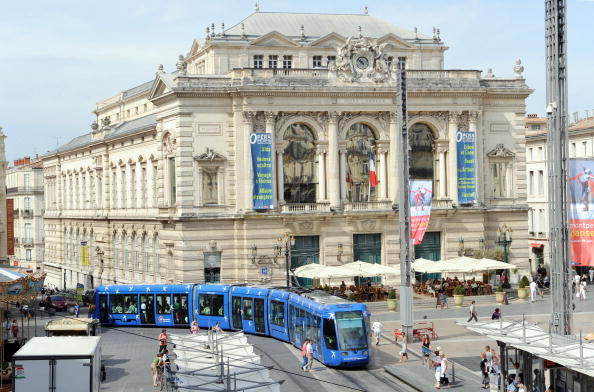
[299, 164]
[420, 138]
[360, 145]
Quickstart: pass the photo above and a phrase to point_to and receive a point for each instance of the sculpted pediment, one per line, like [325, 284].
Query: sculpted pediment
[331, 40]
[393, 41]
[159, 88]
[274, 38]
[210, 156]
[195, 48]
[501, 152]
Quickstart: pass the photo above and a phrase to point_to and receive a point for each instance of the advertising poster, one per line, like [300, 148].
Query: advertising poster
[10, 227]
[581, 211]
[261, 146]
[421, 193]
[466, 148]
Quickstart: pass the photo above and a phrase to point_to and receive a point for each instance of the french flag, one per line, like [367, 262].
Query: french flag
[372, 174]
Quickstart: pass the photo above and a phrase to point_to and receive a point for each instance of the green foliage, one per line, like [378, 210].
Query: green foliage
[459, 290]
[326, 288]
[524, 282]
[489, 253]
[499, 289]
[352, 297]
[392, 294]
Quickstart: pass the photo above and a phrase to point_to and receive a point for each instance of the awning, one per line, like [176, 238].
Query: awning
[536, 245]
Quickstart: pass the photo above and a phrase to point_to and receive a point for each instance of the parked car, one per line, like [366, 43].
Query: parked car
[56, 302]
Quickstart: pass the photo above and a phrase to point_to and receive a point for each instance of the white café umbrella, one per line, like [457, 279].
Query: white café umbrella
[441, 266]
[364, 269]
[491, 264]
[469, 264]
[309, 271]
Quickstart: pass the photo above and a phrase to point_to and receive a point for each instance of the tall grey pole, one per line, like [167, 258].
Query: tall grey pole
[406, 298]
[560, 256]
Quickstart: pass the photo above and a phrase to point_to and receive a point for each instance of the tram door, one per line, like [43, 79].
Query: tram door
[259, 317]
[236, 313]
[147, 309]
[103, 313]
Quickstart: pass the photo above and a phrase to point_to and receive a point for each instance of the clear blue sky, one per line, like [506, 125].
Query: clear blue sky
[58, 58]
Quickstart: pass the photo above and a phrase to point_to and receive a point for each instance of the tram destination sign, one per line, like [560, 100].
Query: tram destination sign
[261, 147]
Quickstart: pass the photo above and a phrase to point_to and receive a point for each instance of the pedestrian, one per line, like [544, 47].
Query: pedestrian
[163, 340]
[310, 357]
[591, 274]
[154, 366]
[376, 327]
[404, 348]
[15, 329]
[426, 347]
[76, 309]
[489, 356]
[304, 354]
[443, 299]
[443, 379]
[521, 387]
[437, 366]
[576, 281]
[472, 312]
[217, 327]
[91, 310]
[495, 371]
[194, 328]
[496, 314]
[484, 365]
[582, 291]
[533, 287]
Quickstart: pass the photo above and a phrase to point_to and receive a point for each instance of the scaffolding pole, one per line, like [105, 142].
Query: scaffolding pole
[557, 154]
[406, 298]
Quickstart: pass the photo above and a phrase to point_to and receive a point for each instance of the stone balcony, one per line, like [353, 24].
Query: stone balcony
[368, 206]
[304, 208]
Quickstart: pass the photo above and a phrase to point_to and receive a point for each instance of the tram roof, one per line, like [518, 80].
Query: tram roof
[144, 288]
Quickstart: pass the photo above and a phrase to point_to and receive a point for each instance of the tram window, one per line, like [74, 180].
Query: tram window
[163, 304]
[330, 334]
[299, 324]
[351, 330]
[291, 323]
[124, 304]
[211, 305]
[278, 313]
[247, 308]
[180, 308]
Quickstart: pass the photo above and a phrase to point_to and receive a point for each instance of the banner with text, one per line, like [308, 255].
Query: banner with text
[421, 193]
[261, 146]
[10, 227]
[581, 211]
[466, 146]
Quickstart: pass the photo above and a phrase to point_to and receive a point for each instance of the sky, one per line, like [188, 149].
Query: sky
[58, 58]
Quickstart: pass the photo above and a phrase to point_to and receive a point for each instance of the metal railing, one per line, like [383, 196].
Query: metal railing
[368, 205]
[306, 207]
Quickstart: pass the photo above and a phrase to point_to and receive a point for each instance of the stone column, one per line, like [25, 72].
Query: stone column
[452, 161]
[343, 174]
[383, 175]
[140, 194]
[473, 118]
[270, 118]
[280, 176]
[442, 173]
[248, 123]
[321, 174]
[333, 169]
[394, 175]
[150, 191]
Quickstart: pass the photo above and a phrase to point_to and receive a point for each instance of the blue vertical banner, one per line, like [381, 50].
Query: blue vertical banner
[261, 146]
[466, 146]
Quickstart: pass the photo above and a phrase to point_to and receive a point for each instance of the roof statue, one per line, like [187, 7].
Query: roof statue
[361, 60]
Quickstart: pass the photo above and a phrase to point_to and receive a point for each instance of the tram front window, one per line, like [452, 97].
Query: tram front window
[351, 330]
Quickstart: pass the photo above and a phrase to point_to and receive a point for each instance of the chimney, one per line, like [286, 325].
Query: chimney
[576, 117]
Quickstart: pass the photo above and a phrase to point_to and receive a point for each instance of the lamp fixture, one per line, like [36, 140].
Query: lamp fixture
[254, 250]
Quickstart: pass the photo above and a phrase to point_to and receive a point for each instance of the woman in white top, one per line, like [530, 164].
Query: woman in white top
[376, 327]
[444, 370]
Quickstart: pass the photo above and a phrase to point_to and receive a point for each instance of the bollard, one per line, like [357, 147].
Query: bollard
[453, 372]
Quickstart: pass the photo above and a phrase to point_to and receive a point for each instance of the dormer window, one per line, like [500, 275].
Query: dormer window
[287, 62]
[258, 61]
[317, 62]
[272, 61]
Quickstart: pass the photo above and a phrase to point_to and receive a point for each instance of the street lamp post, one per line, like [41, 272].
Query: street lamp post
[287, 241]
[504, 239]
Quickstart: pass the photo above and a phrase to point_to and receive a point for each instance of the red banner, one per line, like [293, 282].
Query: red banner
[10, 227]
[421, 194]
[581, 211]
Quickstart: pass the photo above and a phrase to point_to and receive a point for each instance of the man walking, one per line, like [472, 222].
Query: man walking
[472, 312]
[533, 287]
[591, 274]
[304, 353]
[377, 330]
[310, 357]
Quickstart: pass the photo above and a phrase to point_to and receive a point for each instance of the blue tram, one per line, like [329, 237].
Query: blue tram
[338, 328]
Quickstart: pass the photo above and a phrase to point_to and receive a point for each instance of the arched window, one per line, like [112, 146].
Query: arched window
[125, 254]
[145, 254]
[299, 164]
[66, 247]
[135, 250]
[157, 249]
[420, 139]
[116, 253]
[360, 145]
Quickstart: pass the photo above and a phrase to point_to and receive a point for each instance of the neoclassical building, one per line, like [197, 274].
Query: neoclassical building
[161, 189]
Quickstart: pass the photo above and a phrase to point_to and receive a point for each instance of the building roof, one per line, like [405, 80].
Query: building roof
[144, 87]
[8, 275]
[59, 346]
[119, 130]
[317, 25]
[584, 123]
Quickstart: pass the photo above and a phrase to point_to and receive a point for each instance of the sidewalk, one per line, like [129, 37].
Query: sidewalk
[421, 378]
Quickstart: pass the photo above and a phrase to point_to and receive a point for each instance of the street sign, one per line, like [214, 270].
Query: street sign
[264, 271]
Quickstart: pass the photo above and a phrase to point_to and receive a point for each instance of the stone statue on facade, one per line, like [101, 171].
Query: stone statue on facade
[361, 60]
